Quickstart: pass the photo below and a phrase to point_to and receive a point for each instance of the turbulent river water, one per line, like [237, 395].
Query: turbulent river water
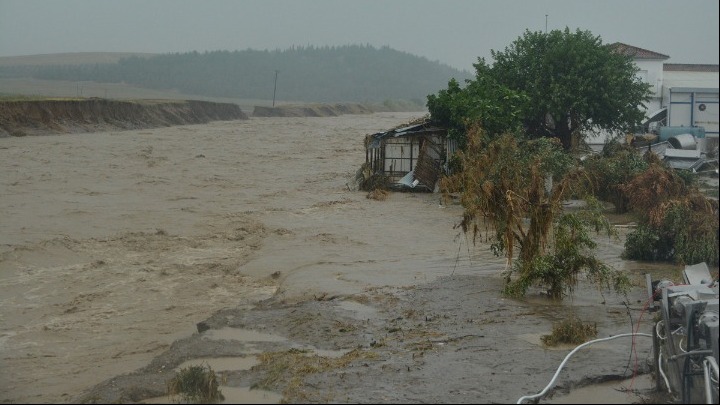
[115, 244]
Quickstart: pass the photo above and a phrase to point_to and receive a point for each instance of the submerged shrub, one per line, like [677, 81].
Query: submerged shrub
[611, 170]
[644, 243]
[196, 384]
[378, 194]
[571, 330]
[569, 256]
[678, 223]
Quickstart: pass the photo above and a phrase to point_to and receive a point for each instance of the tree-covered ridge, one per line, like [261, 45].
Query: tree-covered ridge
[360, 73]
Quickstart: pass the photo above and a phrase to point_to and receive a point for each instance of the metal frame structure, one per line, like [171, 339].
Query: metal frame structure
[413, 157]
[685, 342]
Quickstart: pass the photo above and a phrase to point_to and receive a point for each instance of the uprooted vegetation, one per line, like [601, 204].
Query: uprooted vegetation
[378, 194]
[287, 370]
[377, 185]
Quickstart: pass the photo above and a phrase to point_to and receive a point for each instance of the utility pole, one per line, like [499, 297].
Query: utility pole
[546, 23]
[275, 88]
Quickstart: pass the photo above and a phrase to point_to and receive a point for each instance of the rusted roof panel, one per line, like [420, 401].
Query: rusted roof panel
[635, 52]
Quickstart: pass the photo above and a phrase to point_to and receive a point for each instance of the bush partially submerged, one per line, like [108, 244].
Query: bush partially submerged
[572, 331]
[377, 181]
[611, 170]
[196, 384]
[678, 223]
[378, 194]
[568, 257]
[514, 188]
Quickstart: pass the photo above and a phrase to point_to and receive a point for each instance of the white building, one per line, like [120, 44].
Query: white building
[690, 92]
[651, 71]
[681, 94]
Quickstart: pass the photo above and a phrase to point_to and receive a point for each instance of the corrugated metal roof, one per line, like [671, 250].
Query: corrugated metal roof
[635, 52]
[423, 128]
[689, 67]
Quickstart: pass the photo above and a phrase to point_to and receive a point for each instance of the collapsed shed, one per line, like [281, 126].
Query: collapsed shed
[411, 157]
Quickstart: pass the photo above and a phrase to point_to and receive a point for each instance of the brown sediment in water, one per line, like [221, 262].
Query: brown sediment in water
[311, 110]
[115, 246]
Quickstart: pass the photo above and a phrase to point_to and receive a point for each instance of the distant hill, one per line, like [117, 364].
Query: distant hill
[77, 58]
[353, 73]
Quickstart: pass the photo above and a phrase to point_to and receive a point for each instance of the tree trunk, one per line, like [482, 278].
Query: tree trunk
[564, 133]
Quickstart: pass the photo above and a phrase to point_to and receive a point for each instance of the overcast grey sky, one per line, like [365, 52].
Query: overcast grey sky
[455, 32]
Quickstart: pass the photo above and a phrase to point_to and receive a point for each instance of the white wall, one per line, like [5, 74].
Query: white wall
[688, 79]
[694, 107]
[651, 72]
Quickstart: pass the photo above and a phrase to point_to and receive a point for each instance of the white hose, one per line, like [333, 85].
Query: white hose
[658, 326]
[659, 359]
[714, 367]
[708, 384]
[557, 373]
[662, 373]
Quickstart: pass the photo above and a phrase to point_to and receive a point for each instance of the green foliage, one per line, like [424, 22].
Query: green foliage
[504, 180]
[611, 170]
[559, 84]
[676, 239]
[571, 330]
[504, 185]
[693, 242]
[448, 108]
[570, 256]
[483, 102]
[645, 243]
[688, 177]
[573, 82]
[677, 222]
[196, 384]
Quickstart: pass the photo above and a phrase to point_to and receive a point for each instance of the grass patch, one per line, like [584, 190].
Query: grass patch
[571, 330]
[196, 384]
[710, 191]
[287, 370]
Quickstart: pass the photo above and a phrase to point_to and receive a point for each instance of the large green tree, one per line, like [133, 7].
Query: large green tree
[483, 101]
[559, 84]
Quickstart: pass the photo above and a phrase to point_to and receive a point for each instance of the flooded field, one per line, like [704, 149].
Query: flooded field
[115, 245]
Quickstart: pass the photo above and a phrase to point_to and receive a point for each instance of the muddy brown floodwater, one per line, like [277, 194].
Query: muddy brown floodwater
[115, 245]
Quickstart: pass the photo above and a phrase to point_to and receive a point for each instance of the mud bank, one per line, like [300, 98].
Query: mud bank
[46, 117]
[312, 110]
[453, 340]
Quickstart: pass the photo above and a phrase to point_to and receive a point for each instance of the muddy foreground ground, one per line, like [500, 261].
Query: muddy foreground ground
[454, 340]
[118, 248]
